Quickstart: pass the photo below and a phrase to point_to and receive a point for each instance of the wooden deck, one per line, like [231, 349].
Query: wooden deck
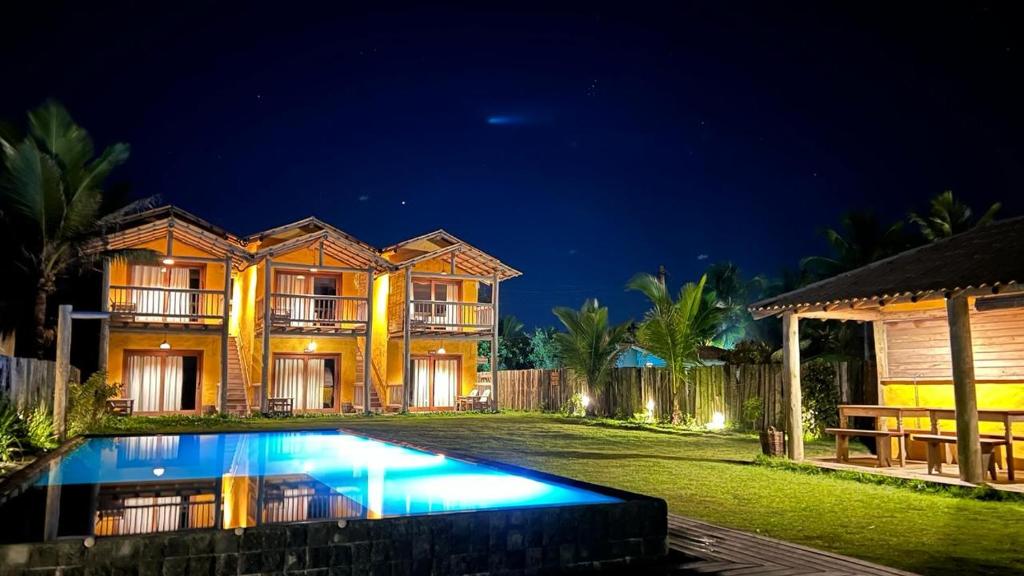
[701, 548]
[915, 470]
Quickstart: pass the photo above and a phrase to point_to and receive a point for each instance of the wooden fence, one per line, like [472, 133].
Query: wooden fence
[710, 389]
[26, 382]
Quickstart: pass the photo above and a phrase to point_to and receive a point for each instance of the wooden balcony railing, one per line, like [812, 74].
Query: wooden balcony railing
[155, 304]
[159, 514]
[454, 316]
[310, 311]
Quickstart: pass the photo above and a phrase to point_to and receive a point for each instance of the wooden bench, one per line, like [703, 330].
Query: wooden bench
[279, 406]
[939, 451]
[121, 406]
[882, 449]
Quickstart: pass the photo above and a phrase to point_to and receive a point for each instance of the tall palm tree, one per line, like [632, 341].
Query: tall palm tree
[946, 217]
[589, 346]
[862, 241]
[675, 330]
[51, 197]
[732, 293]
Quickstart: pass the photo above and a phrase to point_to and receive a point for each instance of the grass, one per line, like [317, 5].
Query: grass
[712, 477]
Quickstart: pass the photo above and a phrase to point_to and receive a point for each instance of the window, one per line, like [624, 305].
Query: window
[310, 381]
[295, 299]
[433, 292]
[171, 297]
[162, 381]
[435, 381]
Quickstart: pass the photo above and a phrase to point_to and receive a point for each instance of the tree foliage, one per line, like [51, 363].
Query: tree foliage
[590, 345]
[946, 216]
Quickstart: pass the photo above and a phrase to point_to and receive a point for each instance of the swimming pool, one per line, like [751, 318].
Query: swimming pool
[112, 488]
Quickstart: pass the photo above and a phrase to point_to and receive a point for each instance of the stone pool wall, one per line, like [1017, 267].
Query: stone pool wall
[514, 541]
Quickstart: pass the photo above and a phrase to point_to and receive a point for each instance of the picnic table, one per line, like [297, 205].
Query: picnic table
[881, 432]
[989, 445]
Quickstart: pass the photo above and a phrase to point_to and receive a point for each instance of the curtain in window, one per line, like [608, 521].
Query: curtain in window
[314, 399]
[172, 382]
[421, 382]
[142, 448]
[145, 376]
[289, 379]
[151, 514]
[298, 308]
[445, 377]
[178, 302]
[147, 301]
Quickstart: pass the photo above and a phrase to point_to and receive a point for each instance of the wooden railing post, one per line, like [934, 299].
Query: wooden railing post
[407, 341]
[62, 372]
[226, 319]
[264, 384]
[368, 354]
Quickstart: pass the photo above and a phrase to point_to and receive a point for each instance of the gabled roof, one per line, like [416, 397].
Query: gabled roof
[440, 243]
[134, 229]
[989, 256]
[305, 226]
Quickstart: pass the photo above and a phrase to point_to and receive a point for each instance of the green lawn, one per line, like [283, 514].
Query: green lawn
[710, 477]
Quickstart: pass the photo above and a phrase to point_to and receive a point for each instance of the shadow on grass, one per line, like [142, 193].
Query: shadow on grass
[586, 455]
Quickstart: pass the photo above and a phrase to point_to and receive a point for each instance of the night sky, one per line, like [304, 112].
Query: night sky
[578, 145]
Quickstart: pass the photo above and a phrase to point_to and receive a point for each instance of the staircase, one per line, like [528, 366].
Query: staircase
[375, 402]
[238, 402]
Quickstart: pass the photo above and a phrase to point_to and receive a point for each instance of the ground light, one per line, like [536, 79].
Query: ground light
[717, 421]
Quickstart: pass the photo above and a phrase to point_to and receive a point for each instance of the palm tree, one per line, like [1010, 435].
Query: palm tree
[731, 292]
[675, 330]
[51, 197]
[589, 346]
[864, 242]
[947, 217]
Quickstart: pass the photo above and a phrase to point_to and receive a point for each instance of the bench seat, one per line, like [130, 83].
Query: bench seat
[939, 451]
[882, 448]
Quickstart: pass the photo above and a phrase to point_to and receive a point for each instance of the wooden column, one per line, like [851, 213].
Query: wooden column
[407, 341]
[494, 345]
[881, 359]
[968, 446]
[62, 372]
[104, 352]
[368, 354]
[267, 290]
[226, 319]
[791, 383]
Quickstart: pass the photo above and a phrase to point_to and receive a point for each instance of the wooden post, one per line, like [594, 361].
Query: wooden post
[968, 446]
[62, 372]
[881, 359]
[791, 381]
[368, 354]
[104, 353]
[407, 341]
[267, 290]
[494, 345]
[226, 319]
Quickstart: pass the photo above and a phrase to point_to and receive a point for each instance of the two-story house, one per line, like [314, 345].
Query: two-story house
[302, 313]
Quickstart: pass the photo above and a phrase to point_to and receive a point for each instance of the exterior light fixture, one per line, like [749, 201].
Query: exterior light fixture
[158, 471]
[165, 345]
[300, 277]
[313, 270]
[311, 347]
[168, 261]
[650, 405]
[586, 401]
[717, 421]
[441, 350]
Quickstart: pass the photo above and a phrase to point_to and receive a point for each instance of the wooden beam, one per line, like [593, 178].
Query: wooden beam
[368, 353]
[439, 275]
[104, 352]
[265, 385]
[407, 343]
[62, 371]
[791, 384]
[223, 397]
[968, 446]
[881, 357]
[494, 344]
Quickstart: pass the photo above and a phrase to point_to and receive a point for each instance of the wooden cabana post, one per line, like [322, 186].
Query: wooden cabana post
[791, 386]
[968, 444]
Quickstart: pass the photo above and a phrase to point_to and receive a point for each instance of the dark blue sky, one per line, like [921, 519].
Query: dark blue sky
[632, 135]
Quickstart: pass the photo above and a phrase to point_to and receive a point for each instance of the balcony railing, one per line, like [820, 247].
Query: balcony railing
[312, 311]
[160, 514]
[452, 316]
[166, 305]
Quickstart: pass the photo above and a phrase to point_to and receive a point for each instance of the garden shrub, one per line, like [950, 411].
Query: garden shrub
[39, 429]
[10, 432]
[87, 403]
[752, 412]
[574, 406]
[820, 397]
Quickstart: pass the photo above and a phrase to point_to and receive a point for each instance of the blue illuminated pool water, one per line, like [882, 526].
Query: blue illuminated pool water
[141, 484]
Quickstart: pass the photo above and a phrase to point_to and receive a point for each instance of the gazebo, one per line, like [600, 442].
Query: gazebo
[948, 326]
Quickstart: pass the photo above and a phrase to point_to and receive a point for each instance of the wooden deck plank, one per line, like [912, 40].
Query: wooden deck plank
[727, 552]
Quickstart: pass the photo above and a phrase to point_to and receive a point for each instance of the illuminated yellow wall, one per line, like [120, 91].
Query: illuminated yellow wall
[208, 344]
[213, 275]
[995, 396]
[422, 347]
[379, 325]
[344, 347]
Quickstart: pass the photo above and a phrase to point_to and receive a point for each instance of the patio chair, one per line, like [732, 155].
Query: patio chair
[467, 402]
[484, 401]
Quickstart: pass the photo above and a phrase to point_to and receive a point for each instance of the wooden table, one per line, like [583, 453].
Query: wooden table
[1006, 417]
[880, 414]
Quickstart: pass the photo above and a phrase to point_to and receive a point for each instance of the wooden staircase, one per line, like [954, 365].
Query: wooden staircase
[238, 402]
[377, 385]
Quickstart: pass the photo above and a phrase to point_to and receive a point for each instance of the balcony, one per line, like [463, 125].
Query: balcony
[313, 313]
[167, 306]
[442, 316]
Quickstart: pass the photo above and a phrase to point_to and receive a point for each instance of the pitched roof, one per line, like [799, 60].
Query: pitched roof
[440, 243]
[984, 257]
